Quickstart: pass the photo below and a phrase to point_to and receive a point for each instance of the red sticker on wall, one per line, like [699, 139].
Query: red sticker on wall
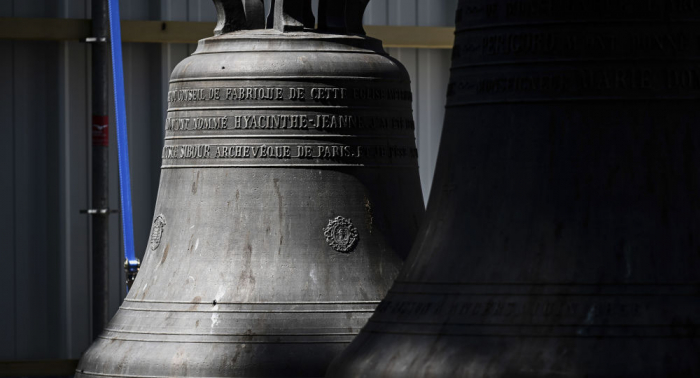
[100, 131]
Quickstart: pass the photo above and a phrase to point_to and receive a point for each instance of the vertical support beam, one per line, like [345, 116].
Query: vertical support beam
[8, 294]
[74, 188]
[100, 169]
[74, 109]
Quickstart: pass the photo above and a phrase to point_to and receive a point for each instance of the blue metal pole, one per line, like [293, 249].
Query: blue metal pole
[131, 265]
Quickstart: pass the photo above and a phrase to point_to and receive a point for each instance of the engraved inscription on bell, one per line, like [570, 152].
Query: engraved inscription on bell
[341, 234]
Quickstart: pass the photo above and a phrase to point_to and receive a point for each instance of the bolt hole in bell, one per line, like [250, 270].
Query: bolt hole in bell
[289, 196]
[560, 238]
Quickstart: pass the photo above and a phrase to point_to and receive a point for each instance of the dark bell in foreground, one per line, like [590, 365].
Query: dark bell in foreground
[562, 233]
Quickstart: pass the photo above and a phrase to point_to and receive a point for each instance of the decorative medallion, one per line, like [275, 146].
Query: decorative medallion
[341, 234]
[157, 231]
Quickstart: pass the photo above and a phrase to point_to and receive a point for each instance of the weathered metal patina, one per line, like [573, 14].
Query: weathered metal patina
[561, 238]
[289, 195]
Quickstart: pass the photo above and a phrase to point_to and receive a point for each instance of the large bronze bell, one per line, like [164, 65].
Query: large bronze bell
[562, 237]
[288, 195]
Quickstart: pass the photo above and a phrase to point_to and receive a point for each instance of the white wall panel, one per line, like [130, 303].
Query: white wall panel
[6, 8]
[402, 12]
[377, 13]
[33, 315]
[36, 200]
[432, 78]
[35, 8]
[436, 13]
[429, 70]
[201, 10]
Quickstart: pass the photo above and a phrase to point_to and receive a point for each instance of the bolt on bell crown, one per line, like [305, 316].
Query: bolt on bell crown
[561, 237]
[289, 195]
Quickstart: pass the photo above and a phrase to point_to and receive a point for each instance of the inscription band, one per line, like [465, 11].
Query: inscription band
[572, 60]
[246, 340]
[570, 99]
[291, 136]
[320, 165]
[291, 107]
[285, 78]
[275, 311]
[573, 22]
[290, 303]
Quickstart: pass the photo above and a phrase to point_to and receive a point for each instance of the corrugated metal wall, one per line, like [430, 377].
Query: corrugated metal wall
[44, 157]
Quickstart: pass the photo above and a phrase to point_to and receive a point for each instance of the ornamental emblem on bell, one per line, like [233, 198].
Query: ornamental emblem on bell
[157, 232]
[341, 234]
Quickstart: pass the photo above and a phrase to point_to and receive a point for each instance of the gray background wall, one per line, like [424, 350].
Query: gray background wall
[44, 157]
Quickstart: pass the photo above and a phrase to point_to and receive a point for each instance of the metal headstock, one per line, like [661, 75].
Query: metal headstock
[234, 15]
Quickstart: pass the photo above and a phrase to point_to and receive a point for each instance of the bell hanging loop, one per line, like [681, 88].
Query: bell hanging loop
[235, 15]
[131, 269]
